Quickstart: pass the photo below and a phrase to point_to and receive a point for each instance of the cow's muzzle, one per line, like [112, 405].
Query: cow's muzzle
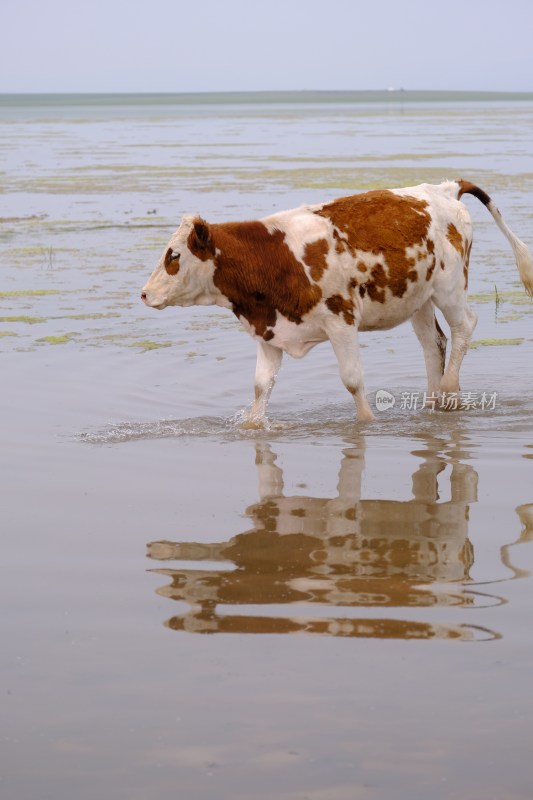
[153, 301]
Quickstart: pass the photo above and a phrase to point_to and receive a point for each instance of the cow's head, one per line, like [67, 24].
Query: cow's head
[184, 274]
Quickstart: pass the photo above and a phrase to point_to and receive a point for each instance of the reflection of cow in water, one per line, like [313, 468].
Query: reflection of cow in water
[340, 552]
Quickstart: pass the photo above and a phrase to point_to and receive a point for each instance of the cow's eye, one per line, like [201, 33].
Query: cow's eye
[172, 262]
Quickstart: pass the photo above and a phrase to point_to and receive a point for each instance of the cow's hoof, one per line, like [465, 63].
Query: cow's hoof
[252, 424]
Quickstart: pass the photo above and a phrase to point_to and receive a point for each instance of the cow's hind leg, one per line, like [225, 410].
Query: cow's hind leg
[266, 368]
[433, 341]
[462, 321]
[346, 347]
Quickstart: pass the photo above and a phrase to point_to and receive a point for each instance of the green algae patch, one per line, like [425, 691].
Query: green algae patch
[495, 342]
[145, 346]
[26, 319]
[92, 316]
[510, 317]
[214, 322]
[7, 333]
[515, 297]
[29, 293]
[64, 339]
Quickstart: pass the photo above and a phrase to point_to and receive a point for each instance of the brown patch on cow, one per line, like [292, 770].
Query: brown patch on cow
[315, 257]
[340, 243]
[431, 267]
[362, 290]
[362, 267]
[441, 344]
[257, 272]
[383, 223]
[376, 287]
[172, 265]
[466, 263]
[455, 238]
[338, 304]
[442, 264]
[463, 247]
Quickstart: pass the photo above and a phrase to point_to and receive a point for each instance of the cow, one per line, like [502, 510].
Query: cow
[365, 262]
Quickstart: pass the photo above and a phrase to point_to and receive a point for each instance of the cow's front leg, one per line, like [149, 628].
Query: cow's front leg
[266, 369]
[345, 344]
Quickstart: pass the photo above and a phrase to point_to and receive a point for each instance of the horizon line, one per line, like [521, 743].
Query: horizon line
[384, 90]
[263, 97]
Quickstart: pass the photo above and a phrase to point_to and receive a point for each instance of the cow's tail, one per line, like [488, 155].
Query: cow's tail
[524, 262]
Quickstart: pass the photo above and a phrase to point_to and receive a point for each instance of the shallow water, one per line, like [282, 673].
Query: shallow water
[373, 582]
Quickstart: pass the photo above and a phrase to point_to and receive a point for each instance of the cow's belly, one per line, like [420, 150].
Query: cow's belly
[296, 340]
[378, 316]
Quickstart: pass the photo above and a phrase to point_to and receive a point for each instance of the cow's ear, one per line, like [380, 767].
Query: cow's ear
[200, 241]
[202, 235]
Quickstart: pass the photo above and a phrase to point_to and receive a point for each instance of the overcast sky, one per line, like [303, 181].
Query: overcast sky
[231, 45]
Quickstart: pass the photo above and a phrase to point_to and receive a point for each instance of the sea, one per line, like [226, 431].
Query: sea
[316, 609]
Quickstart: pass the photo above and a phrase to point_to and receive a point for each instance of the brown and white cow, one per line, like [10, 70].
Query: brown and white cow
[366, 262]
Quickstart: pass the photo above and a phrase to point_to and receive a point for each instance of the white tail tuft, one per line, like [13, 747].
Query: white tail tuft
[524, 262]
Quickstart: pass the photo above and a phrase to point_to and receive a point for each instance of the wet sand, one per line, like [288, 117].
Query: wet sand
[364, 591]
